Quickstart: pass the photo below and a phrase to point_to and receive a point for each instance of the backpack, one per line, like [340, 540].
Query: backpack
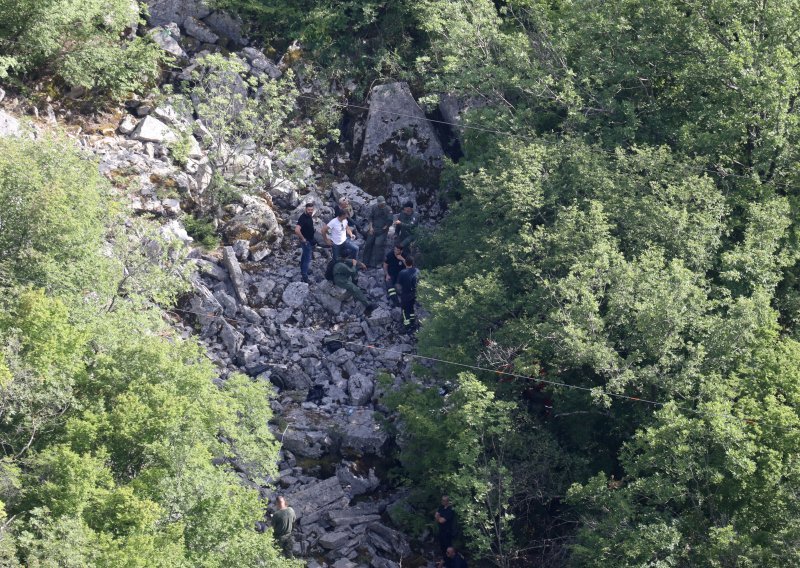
[329, 270]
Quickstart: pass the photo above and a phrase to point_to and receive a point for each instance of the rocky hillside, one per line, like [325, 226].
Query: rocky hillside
[248, 305]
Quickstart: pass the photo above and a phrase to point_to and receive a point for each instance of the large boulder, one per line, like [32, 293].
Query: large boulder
[360, 434]
[153, 130]
[400, 144]
[358, 198]
[226, 26]
[316, 499]
[295, 294]
[261, 64]
[9, 126]
[256, 223]
[206, 308]
[360, 389]
[388, 541]
[161, 12]
[199, 30]
[166, 37]
[230, 262]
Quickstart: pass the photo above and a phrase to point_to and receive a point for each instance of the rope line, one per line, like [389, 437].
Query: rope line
[700, 413]
[609, 152]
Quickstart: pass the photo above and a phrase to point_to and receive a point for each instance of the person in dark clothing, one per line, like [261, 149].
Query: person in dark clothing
[282, 526]
[445, 519]
[407, 282]
[452, 559]
[345, 275]
[305, 232]
[393, 264]
[379, 220]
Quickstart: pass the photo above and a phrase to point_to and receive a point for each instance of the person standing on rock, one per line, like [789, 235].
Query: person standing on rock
[345, 276]
[340, 235]
[445, 519]
[407, 282]
[283, 525]
[379, 221]
[305, 232]
[393, 264]
[405, 226]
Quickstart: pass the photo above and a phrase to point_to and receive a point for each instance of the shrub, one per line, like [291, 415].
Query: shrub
[78, 41]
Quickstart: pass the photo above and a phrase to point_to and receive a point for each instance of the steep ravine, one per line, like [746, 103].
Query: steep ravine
[248, 305]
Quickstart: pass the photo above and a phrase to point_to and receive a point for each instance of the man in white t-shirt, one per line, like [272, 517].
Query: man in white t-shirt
[337, 234]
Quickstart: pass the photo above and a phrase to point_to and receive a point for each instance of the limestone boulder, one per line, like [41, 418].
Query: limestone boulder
[161, 12]
[255, 223]
[151, 129]
[360, 389]
[166, 37]
[295, 294]
[199, 30]
[227, 26]
[400, 145]
[358, 198]
[9, 126]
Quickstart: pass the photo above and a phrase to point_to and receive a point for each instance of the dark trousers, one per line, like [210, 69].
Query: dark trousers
[391, 290]
[445, 542]
[349, 245]
[305, 258]
[375, 249]
[407, 302]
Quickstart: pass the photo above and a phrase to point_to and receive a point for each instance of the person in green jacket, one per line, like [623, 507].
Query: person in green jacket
[405, 226]
[379, 220]
[345, 276]
[283, 525]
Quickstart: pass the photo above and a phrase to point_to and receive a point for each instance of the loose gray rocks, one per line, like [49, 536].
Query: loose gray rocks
[295, 294]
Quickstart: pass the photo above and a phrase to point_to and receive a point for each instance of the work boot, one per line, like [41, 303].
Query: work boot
[304, 278]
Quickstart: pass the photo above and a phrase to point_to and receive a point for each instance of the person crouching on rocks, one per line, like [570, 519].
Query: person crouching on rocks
[345, 276]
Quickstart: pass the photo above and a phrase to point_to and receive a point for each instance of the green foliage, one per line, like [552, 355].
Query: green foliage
[52, 216]
[110, 423]
[202, 231]
[483, 453]
[642, 241]
[386, 31]
[707, 489]
[80, 42]
[240, 129]
[181, 148]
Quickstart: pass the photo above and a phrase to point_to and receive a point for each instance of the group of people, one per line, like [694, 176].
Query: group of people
[400, 274]
[284, 518]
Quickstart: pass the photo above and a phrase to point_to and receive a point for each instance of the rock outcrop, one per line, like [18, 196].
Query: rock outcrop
[401, 148]
[249, 308]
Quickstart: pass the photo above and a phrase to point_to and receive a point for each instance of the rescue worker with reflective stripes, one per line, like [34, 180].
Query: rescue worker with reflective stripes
[392, 265]
[407, 282]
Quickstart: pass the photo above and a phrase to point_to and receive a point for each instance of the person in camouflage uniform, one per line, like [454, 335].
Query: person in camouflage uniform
[379, 221]
[405, 226]
[345, 276]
